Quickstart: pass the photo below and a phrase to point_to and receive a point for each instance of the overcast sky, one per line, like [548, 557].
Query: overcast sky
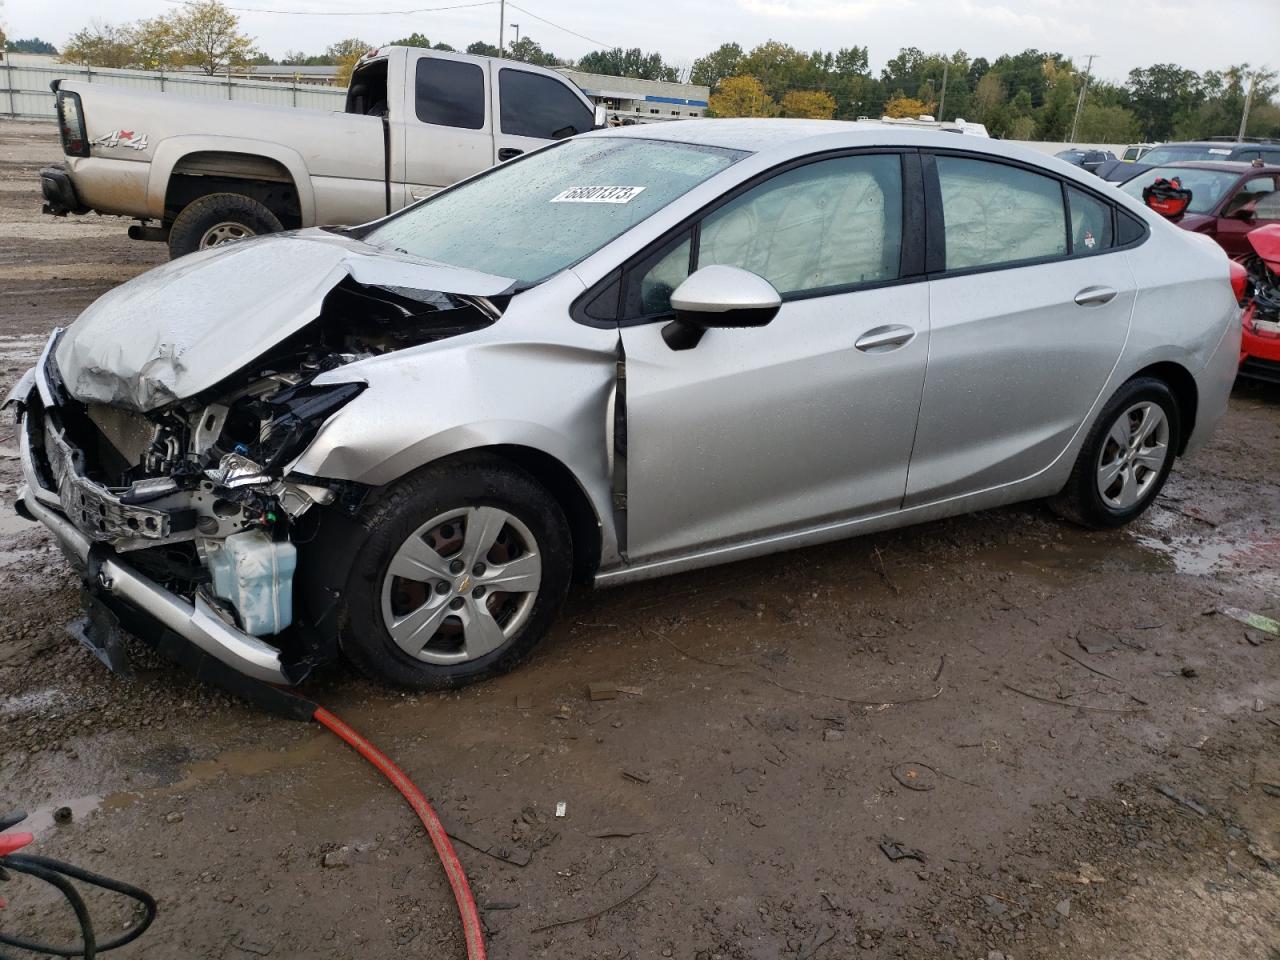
[1200, 34]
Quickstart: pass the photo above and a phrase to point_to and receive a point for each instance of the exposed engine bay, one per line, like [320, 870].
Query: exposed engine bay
[197, 491]
[1263, 268]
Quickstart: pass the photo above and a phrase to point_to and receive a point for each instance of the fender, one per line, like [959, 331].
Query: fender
[170, 152]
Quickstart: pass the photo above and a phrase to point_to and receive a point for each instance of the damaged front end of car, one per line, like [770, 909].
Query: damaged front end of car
[174, 497]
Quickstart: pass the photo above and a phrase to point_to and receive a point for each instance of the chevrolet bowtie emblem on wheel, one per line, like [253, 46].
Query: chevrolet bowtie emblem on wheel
[464, 584]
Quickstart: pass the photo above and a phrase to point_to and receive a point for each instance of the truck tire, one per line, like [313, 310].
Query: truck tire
[216, 219]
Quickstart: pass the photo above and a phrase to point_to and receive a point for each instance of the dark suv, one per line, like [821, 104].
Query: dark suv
[1268, 151]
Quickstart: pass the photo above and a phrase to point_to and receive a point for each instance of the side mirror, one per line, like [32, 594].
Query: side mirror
[719, 296]
[602, 115]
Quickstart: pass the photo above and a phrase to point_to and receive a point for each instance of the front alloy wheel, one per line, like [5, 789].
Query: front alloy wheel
[473, 586]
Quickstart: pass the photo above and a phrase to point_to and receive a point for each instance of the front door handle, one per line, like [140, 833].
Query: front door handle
[508, 153]
[1095, 296]
[884, 339]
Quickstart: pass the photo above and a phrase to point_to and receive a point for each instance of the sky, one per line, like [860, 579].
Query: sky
[1200, 34]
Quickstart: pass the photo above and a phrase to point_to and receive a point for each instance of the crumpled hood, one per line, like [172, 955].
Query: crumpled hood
[184, 326]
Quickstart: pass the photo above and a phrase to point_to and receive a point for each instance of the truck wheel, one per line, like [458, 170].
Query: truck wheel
[216, 219]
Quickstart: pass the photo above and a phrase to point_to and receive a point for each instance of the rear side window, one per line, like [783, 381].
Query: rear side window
[534, 105]
[450, 93]
[994, 213]
[1090, 223]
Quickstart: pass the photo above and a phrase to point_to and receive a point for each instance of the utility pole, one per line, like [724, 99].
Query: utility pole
[942, 100]
[502, 25]
[1248, 101]
[1088, 70]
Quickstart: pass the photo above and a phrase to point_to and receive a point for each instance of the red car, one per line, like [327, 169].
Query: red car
[1260, 344]
[1229, 199]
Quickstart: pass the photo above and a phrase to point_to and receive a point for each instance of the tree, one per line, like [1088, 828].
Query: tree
[811, 104]
[414, 39]
[741, 97]
[154, 43]
[100, 44]
[900, 106]
[628, 63]
[1107, 124]
[1027, 71]
[206, 35]
[1163, 94]
[716, 65]
[778, 66]
[482, 49]
[345, 54]
[1054, 118]
[988, 99]
[527, 50]
[32, 45]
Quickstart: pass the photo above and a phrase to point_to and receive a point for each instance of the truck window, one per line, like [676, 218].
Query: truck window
[367, 93]
[450, 93]
[534, 105]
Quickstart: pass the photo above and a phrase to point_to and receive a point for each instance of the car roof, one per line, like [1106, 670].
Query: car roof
[1223, 166]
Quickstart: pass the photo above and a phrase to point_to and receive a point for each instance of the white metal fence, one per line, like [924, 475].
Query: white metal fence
[24, 87]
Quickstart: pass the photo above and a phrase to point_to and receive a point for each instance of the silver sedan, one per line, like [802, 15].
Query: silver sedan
[636, 352]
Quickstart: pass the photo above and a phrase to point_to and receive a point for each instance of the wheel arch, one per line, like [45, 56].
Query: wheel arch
[190, 167]
[1183, 385]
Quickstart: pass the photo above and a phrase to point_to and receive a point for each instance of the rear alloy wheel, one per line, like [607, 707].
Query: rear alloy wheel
[467, 592]
[219, 218]
[1125, 459]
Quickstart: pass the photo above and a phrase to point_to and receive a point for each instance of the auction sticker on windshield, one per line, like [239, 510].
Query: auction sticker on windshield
[597, 195]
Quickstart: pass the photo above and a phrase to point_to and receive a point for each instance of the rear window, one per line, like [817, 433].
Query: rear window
[450, 93]
[533, 105]
[1207, 186]
[1172, 153]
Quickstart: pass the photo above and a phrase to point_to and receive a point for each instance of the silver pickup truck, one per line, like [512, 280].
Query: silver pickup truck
[197, 173]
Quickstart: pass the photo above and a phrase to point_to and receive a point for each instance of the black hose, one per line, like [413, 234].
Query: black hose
[55, 873]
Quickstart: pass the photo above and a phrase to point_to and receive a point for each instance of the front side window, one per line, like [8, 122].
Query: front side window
[534, 105]
[1090, 222]
[534, 216]
[1207, 187]
[994, 213]
[449, 93]
[1258, 199]
[826, 225]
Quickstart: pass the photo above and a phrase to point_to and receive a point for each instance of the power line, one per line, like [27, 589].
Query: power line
[354, 13]
[582, 36]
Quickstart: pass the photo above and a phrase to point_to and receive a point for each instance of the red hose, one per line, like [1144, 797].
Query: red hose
[440, 840]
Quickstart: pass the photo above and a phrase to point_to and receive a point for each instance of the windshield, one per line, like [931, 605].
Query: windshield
[1187, 151]
[533, 217]
[1207, 186]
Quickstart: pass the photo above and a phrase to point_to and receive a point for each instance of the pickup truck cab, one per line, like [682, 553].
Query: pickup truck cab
[196, 173]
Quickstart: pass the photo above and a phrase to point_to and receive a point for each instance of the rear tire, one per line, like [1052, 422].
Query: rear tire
[1126, 457]
[462, 531]
[219, 218]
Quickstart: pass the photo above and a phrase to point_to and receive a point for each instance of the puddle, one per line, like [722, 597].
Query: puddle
[1050, 562]
[254, 763]
[41, 821]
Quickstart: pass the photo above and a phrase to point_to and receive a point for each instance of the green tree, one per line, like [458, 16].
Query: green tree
[716, 65]
[207, 35]
[1107, 124]
[1163, 94]
[414, 39]
[100, 44]
[482, 49]
[527, 50]
[778, 66]
[742, 96]
[31, 45]
[628, 63]
[810, 104]
[1054, 118]
[1028, 71]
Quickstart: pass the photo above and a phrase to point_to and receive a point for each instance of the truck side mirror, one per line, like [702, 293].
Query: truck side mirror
[602, 116]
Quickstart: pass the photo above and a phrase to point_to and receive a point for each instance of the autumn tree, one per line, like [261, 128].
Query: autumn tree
[154, 43]
[741, 97]
[100, 44]
[811, 104]
[207, 35]
[901, 107]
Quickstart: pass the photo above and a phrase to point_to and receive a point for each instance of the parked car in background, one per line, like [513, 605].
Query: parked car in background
[1228, 199]
[635, 353]
[1260, 345]
[1136, 151]
[1268, 151]
[196, 173]
[1085, 158]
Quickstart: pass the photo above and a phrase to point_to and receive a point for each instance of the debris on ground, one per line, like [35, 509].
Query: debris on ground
[601, 691]
[895, 851]
[1176, 797]
[915, 776]
[561, 808]
[1255, 620]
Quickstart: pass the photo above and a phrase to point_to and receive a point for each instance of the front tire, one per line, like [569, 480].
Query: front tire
[219, 218]
[464, 569]
[1126, 457]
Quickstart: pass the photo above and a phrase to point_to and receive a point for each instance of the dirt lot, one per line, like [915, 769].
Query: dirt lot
[1050, 687]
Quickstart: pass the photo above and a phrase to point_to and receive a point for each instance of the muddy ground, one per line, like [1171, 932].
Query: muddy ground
[1056, 690]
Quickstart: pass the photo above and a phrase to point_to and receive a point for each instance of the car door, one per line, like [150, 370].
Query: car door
[532, 108]
[1254, 203]
[447, 131]
[1030, 303]
[808, 419]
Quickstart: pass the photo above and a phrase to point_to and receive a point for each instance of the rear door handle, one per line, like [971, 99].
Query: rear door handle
[508, 153]
[1095, 296]
[884, 339]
